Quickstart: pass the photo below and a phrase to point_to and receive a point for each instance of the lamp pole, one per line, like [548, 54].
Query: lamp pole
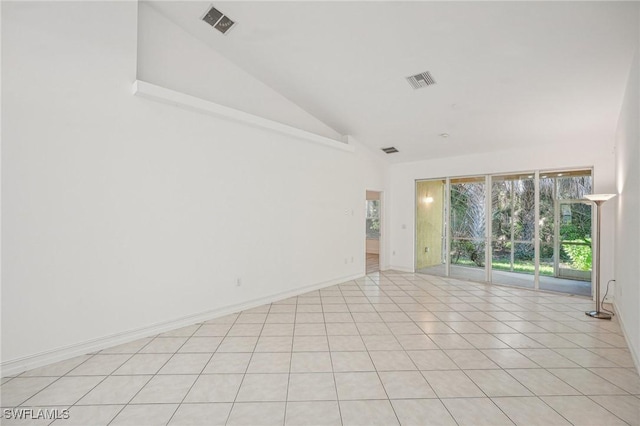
[598, 199]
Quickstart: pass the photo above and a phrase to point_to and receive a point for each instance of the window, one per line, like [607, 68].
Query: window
[529, 229]
[373, 219]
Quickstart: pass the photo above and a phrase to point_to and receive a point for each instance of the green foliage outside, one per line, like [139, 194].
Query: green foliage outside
[505, 265]
[580, 255]
[373, 219]
[576, 237]
[513, 216]
[467, 250]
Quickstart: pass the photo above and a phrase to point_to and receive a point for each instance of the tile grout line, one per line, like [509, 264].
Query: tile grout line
[453, 296]
[153, 375]
[105, 377]
[590, 397]
[246, 371]
[427, 381]
[199, 374]
[286, 398]
[374, 365]
[69, 406]
[333, 373]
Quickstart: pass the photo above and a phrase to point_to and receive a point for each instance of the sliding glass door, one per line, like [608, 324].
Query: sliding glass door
[468, 228]
[565, 232]
[430, 227]
[513, 230]
[530, 229]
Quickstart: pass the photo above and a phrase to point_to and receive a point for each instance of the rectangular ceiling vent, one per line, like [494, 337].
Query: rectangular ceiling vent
[421, 80]
[218, 20]
[390, 150]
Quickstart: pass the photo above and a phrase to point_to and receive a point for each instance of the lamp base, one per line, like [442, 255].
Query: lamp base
[599, 315]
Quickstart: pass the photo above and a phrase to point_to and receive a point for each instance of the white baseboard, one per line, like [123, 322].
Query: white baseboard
[634, 354]
[16, 366]
[401, 269]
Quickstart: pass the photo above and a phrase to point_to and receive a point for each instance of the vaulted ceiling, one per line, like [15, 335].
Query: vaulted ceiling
[508, 74]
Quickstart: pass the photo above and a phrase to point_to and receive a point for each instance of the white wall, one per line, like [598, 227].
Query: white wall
[627, 232]
[120, 213]
[402, 178]
[170, 57]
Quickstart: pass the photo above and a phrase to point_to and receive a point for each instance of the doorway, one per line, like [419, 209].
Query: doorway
[372, 234]
[430, 227]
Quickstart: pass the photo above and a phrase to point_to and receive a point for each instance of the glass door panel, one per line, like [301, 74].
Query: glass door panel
[430, 227]
[512, 230]
[468, 227]
[548, 267]
[565, 232]
[575, 240]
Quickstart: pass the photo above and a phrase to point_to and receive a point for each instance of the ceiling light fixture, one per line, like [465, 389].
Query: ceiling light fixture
[444, 135]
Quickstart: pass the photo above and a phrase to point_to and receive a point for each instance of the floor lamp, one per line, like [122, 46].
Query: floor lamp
[598, 199]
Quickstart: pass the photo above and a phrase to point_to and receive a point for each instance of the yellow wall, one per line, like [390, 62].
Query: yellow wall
[429, 223]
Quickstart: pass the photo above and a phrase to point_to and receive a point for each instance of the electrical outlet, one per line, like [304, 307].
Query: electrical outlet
[394, 252]
[426, 249]
[238, 282]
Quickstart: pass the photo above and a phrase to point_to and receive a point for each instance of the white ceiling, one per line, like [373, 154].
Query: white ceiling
[509, 74]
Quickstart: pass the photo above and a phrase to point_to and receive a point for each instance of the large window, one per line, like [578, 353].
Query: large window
[530, 229]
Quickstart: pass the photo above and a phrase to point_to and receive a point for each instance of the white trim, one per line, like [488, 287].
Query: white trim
[172, 97]
[536, 230]
[16, 366]
[400, 269]
[488, 228]
[447, 228]
[634, 355]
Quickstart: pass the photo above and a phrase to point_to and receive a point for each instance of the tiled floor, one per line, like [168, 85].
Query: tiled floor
[386, 349]
[561, 285]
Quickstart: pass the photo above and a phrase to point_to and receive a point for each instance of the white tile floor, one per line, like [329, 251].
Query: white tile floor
[391, 348]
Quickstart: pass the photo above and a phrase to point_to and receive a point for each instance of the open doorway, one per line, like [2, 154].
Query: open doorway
[373, 224]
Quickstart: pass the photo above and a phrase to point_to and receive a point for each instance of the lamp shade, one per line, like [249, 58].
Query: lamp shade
[599, 197]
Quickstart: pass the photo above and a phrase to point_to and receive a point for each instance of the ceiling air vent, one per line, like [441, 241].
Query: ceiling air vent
[421, 80]
[390, 150]
[218, 20]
